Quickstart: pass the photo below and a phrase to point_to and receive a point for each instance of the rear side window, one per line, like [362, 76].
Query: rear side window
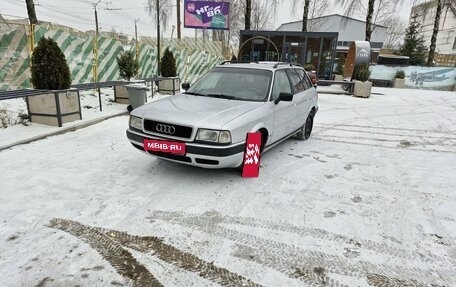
[281, 84]
[295, 80]
[305, 79]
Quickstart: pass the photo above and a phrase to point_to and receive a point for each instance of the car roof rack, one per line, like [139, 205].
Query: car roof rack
[237, 62]
[288, 64]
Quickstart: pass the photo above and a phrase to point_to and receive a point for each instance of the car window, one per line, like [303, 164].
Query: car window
[281, 84]
[235, 83]
[211, 80]
[305, 79]
[296, 81]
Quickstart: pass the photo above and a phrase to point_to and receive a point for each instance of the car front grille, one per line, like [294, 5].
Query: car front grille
[167, 129]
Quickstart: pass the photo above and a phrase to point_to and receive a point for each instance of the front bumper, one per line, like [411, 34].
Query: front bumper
[207, 156]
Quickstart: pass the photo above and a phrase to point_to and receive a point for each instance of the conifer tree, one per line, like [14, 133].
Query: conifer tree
[168, 64]
[128, 65]
[413, 46]
[340, 65]
[49, 68]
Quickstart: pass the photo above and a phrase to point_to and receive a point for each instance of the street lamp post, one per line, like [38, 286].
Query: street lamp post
[95, 46]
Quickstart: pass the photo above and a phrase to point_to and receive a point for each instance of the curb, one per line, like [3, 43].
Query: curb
[63, 130]
[334, 93]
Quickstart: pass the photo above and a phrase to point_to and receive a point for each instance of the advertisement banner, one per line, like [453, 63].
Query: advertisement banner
[424, 78]
[251, 166]
[206, 14]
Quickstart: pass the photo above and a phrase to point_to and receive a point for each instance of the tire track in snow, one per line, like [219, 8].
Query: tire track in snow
[309, 270]
[119, 258]
[109, 243]
[377, 280]
[418, 140]
[315, 269]
[282, 256]
[329, 139]
[390, 133]
[364, 127]
[215, 217]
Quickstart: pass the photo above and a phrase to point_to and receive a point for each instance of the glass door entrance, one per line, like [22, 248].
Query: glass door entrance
[294, 53]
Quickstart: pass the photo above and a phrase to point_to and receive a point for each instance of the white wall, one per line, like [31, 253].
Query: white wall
[348, 29]
[447, 27]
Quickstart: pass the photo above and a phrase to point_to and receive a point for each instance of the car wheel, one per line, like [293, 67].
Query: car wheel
[306, 130]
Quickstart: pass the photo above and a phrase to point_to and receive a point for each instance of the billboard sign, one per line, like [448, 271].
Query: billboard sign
[206, 14]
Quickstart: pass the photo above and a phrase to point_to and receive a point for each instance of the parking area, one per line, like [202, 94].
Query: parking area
[368, 200]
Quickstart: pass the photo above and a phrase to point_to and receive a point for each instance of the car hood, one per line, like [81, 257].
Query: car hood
[196, 110]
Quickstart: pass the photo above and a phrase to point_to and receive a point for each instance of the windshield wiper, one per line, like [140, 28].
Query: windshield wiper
[221, 96]
[195, 94]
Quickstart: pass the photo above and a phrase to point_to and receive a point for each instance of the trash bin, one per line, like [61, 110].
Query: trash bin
[137, 94]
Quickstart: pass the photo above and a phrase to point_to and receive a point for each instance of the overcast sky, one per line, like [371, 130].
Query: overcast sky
[79, 14]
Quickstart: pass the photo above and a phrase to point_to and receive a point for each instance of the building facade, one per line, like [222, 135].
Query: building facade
[312, 50]
[348, 29]
[425, 14]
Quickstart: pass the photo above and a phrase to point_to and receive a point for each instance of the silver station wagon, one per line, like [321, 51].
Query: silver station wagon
[211, 118]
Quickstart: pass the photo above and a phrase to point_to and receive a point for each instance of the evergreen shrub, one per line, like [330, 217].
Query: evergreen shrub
[128, 65]
[49, 68]
[168, 64]
[362, 72]
[400, 75]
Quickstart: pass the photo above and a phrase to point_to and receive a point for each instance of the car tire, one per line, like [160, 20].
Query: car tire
[306, 130]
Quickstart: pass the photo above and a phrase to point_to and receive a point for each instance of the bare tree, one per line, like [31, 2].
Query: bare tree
[236, 22]
[395, 32]
[319, 7]
[435, 32]
[374, 11]
[248, 9]
[31, 11]
[305, 15]
[158, 10]
[178, 10]
[261, 15]
[247, 14]
[164, 6]
[311, 10]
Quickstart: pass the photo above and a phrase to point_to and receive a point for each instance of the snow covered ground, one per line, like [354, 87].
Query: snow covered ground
[369, 200]
[12, 129]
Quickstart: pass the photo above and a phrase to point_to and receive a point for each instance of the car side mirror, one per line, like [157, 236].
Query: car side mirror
[315, 86]
[286, 97]
[185, 86]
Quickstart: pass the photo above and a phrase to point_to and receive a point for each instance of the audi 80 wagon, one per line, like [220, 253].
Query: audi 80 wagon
[212, 118]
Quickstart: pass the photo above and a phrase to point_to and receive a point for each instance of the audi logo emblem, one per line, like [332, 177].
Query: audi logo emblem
[166, 129]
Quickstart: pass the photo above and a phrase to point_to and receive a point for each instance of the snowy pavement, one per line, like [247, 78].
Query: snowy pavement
[15, 131]
[368, 200]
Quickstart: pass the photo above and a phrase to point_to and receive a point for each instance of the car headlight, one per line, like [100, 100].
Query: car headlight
[214, 136]
[136, 122]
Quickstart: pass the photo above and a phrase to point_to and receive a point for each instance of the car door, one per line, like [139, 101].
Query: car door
[284, 111]
[303, 107]
[299, 98]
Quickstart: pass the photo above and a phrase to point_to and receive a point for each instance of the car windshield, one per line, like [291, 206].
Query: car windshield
[234, 83]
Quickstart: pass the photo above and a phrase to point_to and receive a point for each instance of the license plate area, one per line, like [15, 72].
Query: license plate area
[171, 147]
